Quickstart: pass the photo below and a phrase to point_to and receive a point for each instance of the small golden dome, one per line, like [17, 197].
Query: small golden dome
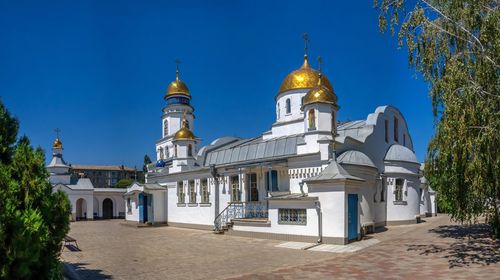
[303, 78]
[57, 144]
[184, 133]
[320, 94]
[177, 87]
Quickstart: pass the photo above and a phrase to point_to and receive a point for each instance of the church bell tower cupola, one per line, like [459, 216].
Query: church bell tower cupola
[58, 169]
[178, 108]
[320, 115]
[185, 147]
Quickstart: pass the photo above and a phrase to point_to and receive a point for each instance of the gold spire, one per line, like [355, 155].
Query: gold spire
[305, 77]
[177, 87]
[184, 133]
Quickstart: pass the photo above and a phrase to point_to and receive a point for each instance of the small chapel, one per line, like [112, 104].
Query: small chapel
[309, 178]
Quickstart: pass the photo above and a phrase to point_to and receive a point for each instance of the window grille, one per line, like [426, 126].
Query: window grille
[292, 216]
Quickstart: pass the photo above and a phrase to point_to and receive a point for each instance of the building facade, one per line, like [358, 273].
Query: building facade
[309, 178]
[106, 176]
[87, 202]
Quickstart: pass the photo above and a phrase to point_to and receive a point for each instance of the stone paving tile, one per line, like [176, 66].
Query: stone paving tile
[435, 249]
[428, 250]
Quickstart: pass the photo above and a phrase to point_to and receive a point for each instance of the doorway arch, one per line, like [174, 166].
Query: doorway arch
[107, 209]
[81, 209]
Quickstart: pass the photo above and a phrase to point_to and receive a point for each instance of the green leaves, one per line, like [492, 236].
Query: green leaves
[455, 45]
[33, 221]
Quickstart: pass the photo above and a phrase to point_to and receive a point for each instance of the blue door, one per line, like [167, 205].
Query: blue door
[352, 216]
[146, 208]
[143, 207]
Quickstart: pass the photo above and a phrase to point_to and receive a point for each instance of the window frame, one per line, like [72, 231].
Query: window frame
[205, 194]
[192, 192]
[292, 216]
[253, 188]
[396, 129]
[288, 106]
[181, 195]
[235, 188]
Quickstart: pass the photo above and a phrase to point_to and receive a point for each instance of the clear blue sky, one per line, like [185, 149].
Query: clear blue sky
[98, 69]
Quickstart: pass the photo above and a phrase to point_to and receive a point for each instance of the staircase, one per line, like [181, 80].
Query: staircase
[224, 221]
[250, 211]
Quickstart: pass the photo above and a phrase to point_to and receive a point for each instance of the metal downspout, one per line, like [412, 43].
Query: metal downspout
[320, 224]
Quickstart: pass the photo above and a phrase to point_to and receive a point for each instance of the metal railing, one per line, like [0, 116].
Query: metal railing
[240, 210]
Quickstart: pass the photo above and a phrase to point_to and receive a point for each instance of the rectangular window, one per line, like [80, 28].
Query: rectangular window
[205, 194]
[292, 216]
[192, 192]
[273, 187]
[253, 194]
[180, 192]
[396, 129]
[404, 139]
[386, 123]
[235, 188]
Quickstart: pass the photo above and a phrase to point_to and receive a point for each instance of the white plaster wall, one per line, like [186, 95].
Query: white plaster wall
[310, 229]
[195, 214]
[134, 214]
[367, 190]
[403, 212]
[333, 201]
[295, 97]
[283, 129]
[116, 198]
[159, 206]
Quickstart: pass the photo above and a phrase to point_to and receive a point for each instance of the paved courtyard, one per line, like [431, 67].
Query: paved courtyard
[435, 249]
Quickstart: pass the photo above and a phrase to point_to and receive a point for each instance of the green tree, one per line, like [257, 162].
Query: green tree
[33, 220]
[124, 183]
[455, 45]
[147, 161]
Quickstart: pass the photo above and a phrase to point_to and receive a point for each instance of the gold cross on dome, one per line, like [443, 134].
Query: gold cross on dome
[177, 62]
[57, 130]
[320, 63]
[306, 41]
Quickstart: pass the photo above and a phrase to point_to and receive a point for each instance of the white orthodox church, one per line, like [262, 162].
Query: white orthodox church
[309, 178]
[87, 202]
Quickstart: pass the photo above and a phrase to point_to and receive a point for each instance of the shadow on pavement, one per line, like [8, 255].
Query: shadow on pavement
[78, 271]
[472, 245]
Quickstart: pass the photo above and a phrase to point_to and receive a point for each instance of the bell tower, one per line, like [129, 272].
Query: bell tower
[177, 109]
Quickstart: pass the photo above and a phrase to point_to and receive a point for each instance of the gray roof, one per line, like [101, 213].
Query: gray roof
[356, 158]
[57, 161]
[80, 184]
[333, 171]
[400, 153]
[110, 190]
[247, 150]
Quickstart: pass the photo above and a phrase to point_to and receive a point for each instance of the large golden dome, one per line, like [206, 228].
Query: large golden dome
[177, 87]
[303, 78]
[320, 94]
[57, 144]
[184, 133]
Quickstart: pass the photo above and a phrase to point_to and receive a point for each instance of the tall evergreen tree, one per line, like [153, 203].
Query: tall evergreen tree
[33, 220]
[455, 45]
[147, 161]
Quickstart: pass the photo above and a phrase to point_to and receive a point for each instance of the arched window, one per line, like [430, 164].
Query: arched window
[288, 106]
[165, 128]
[278, 110]
[161, 152]
[167, 154]
[302, 101]
[398, 190]
[175, 150]
[312, 119]
[187, 124]
[190, 150]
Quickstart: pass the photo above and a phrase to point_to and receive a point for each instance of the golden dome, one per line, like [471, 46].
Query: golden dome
[303, 78]
[177, 87]
[57, 144]
[320, 94]
[184, 133]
